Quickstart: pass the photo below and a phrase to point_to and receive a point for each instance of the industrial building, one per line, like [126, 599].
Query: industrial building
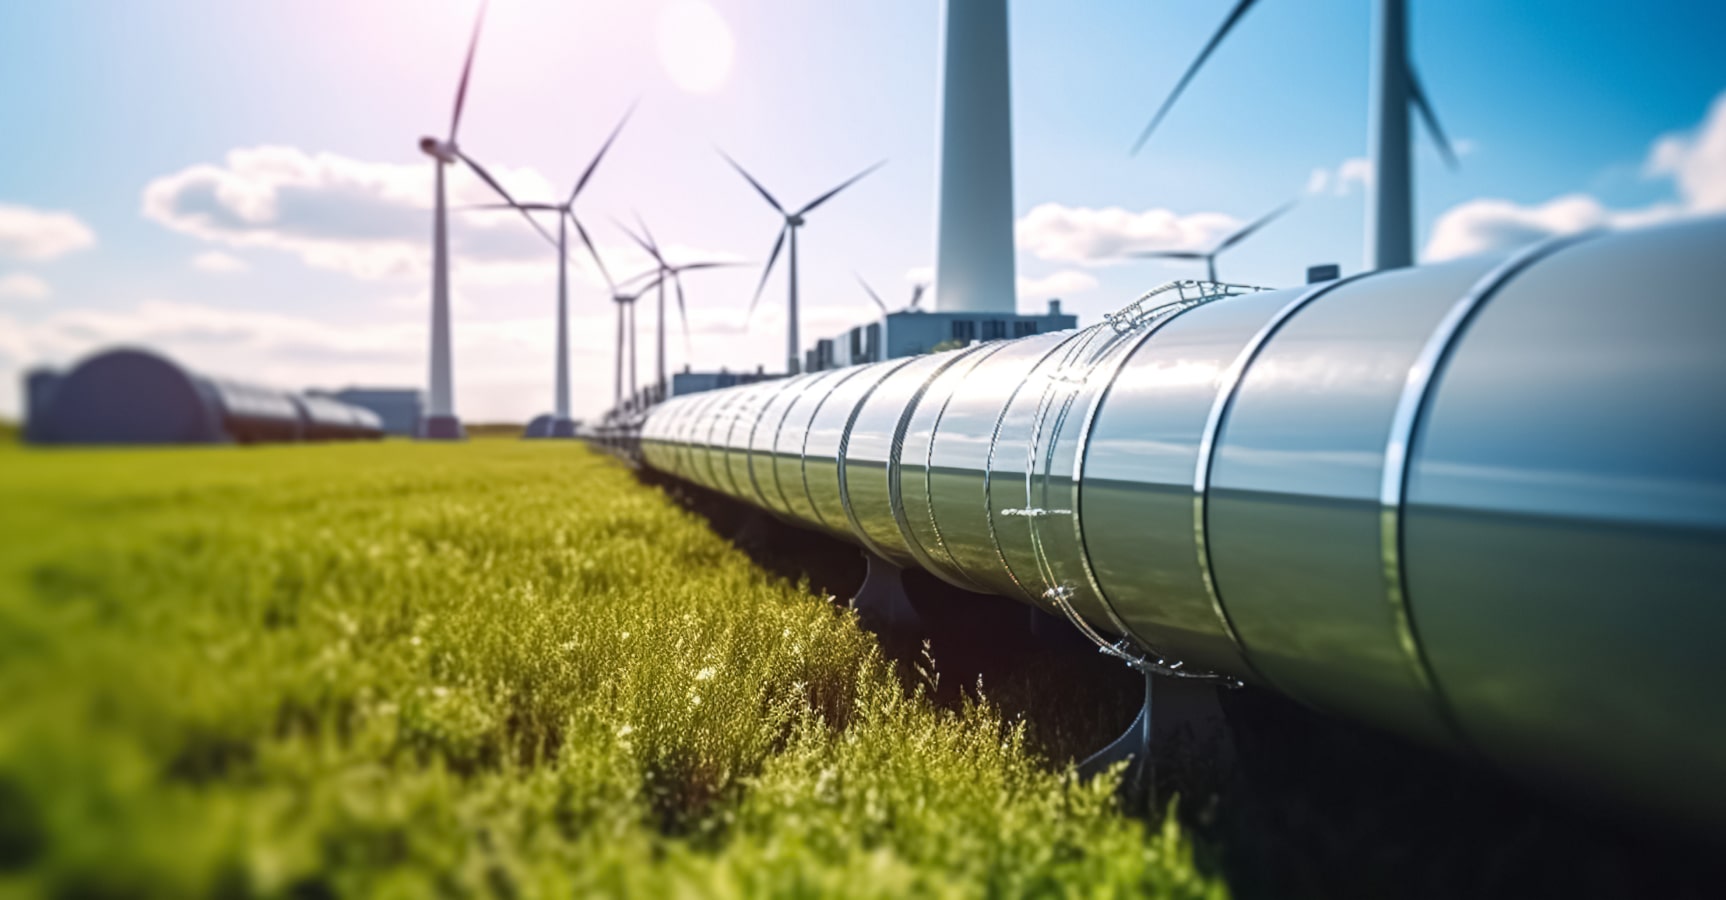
[399, 408]
[130, 396]
[689, 381]
[912, 332]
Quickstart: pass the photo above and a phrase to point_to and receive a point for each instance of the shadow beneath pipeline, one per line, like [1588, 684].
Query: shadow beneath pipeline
[1292, 803]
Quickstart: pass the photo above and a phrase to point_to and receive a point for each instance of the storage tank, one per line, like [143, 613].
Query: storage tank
[131, 396]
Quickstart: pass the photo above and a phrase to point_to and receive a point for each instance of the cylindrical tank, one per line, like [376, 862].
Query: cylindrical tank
[129, 396]
[1481, 503]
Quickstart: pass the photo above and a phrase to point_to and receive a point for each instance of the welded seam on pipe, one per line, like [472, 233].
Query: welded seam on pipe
[779, 430]
[749, 443]
[741, 405]
[989, 461]
[1423, 376]
[896, 468]
[1220, 406]
[845, 446]
[1075, 375]
[803, 459]
[791, 395]
[1082, 449]
[929, 469]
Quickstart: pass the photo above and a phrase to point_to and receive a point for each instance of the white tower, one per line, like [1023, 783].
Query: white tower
[1390, 201]
[974, 270]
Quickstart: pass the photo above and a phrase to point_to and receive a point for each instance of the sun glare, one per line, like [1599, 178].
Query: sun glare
[695, 45]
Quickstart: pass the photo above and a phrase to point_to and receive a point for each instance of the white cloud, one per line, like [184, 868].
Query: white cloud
[217, 262]
[1695, 161]
[1070, 234]
[39, 235]
[373, 220]
[22, 286]
[367, 219]
[1056, 284]
[1356, 171]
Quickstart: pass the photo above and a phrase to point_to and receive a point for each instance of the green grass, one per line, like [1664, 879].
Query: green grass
[497, 668]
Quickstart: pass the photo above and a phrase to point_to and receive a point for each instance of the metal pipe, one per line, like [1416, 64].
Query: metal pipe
[1481, 503]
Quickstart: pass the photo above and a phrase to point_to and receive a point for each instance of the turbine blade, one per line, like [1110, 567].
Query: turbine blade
[644, 275]
[751, 178]
[641, 242]
[588, 172]
[591, 249]
[690, 267]
[1169, 254]
[771, 259]
[682, 310]
[502, 192]
[917, 295]
[1417, 94]
[872, 295]
[842, 186]
[473, 207]
[652, 245]
[1242, 234]
[1229, 23]
[467, 70]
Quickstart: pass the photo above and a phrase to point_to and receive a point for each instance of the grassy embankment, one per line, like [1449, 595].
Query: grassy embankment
[492, 668]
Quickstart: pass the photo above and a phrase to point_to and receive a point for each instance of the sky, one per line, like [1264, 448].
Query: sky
[240, 185]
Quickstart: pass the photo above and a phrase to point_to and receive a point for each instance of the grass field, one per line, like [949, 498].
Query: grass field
[496, 668]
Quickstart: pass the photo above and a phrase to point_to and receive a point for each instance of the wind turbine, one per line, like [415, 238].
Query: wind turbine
[1210, 256]
[916, 298]
[793, 221]
[625, 302]
[440, 421]
[666, 272]
[562, 425]
[1394, 89]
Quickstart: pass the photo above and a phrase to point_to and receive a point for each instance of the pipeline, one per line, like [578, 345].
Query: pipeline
[1480, 503]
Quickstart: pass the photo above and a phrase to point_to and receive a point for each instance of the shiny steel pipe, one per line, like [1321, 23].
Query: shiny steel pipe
[1481, 503]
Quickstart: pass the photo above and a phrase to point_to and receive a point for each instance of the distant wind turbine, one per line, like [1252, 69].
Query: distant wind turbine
[562, 424]
[1394, 90]
[667, 272]
[440, 421]
[793, 221]
[625, 301]
[1210, 256]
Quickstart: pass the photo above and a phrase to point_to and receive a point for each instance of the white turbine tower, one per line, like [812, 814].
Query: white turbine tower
[1394, 89]
[562, 425]
[793, 221]
[439, 421]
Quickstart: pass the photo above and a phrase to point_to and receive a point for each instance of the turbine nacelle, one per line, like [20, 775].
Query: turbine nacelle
[442, 151]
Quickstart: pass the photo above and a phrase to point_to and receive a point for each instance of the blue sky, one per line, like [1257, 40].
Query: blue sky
[239, 183]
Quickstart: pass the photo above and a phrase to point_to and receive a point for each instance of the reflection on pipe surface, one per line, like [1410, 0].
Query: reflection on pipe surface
[1481, 503]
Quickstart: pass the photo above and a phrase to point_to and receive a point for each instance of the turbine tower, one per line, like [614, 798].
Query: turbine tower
[1210, 256]
[563, 426]
[666, 272]
[974, 265]
[1394, 89]
[440, 421]
[793, 221]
